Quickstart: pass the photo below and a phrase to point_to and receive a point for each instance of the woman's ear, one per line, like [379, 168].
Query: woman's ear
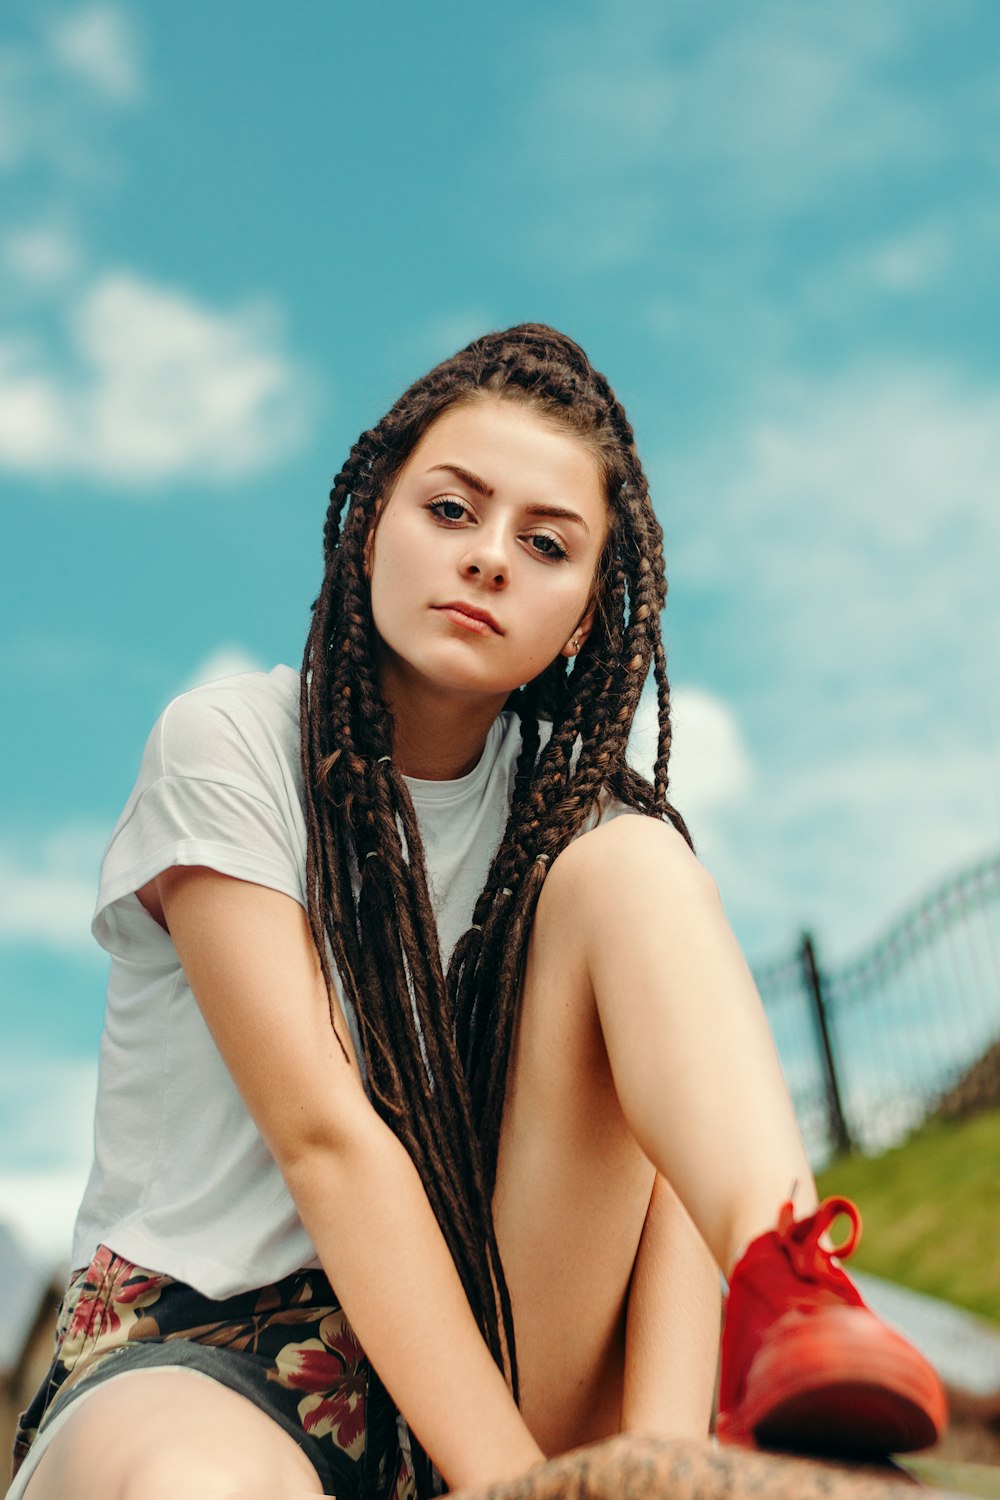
[580, 634]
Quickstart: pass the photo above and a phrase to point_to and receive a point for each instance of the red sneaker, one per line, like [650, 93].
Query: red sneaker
[805, 1364]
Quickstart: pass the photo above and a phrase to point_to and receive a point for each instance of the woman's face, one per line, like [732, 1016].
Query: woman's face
[482, 561]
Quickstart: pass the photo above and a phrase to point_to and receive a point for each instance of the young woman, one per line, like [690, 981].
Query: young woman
[424, 1022]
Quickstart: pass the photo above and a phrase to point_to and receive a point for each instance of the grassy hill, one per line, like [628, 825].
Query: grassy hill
[931, 1210]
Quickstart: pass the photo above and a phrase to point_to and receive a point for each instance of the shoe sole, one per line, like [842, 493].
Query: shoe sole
[848, 1386]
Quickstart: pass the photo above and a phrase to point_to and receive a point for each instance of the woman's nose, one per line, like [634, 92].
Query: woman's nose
[487, 558]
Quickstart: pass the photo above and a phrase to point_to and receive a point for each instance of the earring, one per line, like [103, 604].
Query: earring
[575, 643]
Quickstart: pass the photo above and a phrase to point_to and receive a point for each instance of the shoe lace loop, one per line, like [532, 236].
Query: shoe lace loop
[802, 1239]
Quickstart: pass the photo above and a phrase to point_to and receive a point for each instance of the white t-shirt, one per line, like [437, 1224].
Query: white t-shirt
[182, 1181]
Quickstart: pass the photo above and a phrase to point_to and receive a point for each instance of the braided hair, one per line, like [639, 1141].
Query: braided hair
[423, 1030]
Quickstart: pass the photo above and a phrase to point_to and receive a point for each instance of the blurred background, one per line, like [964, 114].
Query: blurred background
[233, 233]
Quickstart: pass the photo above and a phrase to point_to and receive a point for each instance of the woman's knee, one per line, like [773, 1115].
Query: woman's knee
[610, 865]
[161, 1434]
[165, 1475]
[145, 1471]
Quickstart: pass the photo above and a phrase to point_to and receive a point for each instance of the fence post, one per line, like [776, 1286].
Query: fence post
[839, 1131]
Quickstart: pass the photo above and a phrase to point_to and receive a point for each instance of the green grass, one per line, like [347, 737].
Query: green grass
[930, 1209]
[956, 1479]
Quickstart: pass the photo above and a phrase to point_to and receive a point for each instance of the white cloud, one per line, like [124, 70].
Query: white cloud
[710, 765]
[41, 1208]
[647, 119]
[40, 254]
[164, 388]
[47, 1112]
[796, 103]
[904, 265]
[224, 661]
[48, 890]
[58, 87]
[46, 1142]
[98, 45]
[845, 844]
[908, 262]
[859, 515]
[844, 546]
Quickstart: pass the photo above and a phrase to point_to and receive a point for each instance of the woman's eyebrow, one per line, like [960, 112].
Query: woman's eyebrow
[556, 512]
[466, 476]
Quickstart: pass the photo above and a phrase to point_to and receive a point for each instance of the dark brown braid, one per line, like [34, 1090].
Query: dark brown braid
[423, 1032]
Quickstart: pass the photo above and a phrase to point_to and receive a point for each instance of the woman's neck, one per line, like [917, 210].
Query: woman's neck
[438, 736]
[439, 747]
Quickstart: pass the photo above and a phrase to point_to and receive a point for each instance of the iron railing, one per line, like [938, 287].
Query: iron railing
[870, 1047]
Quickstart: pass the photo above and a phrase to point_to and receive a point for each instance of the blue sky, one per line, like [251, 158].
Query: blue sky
[233, 233]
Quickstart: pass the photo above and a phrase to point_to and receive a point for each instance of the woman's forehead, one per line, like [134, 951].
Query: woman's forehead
[508, 445]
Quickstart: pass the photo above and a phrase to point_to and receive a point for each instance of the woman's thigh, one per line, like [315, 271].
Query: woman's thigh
[573, 1189]
[156, 1434]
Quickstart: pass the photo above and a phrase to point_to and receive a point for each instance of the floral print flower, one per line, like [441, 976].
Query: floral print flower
[112, 1296]
[333, 1371]
[291, 1337]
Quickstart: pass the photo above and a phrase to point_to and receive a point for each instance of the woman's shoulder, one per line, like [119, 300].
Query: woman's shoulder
[219, 785]
[219, 725]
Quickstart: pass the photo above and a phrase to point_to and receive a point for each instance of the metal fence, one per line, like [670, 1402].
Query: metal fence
[870, 1047]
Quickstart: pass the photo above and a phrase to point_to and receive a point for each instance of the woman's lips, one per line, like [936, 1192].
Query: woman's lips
[470, 618]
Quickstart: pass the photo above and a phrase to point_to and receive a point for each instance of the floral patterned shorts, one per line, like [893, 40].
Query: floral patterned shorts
[288, 1347]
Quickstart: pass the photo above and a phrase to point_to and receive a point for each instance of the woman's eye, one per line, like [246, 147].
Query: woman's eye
[548, 546]
[448, 509]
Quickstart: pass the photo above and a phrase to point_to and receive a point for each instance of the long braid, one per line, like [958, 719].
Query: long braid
[423, 1031]
[390, 955]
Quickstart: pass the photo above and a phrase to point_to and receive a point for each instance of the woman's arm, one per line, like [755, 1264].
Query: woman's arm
[249, 956]
[674, 1318]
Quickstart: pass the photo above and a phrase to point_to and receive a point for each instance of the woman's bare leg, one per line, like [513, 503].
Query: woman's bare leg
[573, 1189]
[643, 1045]
[640, 1039]
[163, 1434]
[673, 1325]
[690, 1051]
[616, 1300]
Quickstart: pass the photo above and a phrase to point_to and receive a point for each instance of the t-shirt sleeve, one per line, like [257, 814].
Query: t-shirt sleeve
[212, 790]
